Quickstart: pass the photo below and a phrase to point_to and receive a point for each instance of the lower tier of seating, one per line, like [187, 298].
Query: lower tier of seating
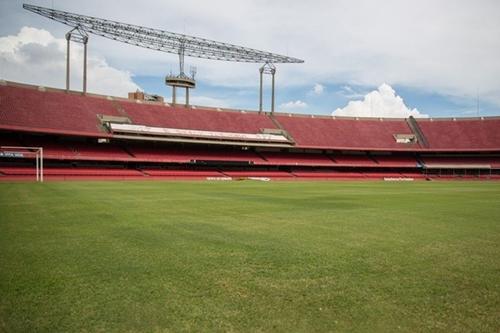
[182, 173]
[395, 161]
[338, 174]
[285, 158]
[70, 173]
[353, 160]
[461, 162]
[103, 172]
[86, 158]
[258, 174]
[69, 149]
[153, 153]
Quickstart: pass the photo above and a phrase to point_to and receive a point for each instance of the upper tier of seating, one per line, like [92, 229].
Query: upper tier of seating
[346, 133]
[30, 109]
[52, 112]
[466, 134]
[196, 119]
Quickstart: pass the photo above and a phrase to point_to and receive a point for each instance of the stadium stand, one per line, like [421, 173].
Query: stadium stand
[92, 151]
[395, 161]
[57, 173]
[74, 150]
[415, 175]
[383, 175]
[52, 111]
[186, 154]
[462, 162]
[183, 174]
[201, 119]
[258, 174]
[284, 158]
[72, 171]
[52, 148]
[329, 133]
[328, 174]
[353, 160]
[462, 135]
[87, 136]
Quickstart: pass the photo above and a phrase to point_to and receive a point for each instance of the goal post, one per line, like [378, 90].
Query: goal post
[26, 152]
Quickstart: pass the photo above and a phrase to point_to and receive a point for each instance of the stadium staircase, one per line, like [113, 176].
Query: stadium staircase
[412, 123]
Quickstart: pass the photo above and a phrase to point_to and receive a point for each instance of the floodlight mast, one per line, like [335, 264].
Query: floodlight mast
[165, 41]
[78, 36]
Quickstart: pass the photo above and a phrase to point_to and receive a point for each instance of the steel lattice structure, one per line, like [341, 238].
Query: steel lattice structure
[160, 40]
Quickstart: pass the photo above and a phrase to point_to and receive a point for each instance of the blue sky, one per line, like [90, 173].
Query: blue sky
[433, 58]
[333, 96]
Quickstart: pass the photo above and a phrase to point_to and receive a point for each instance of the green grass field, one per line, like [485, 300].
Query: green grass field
[250, 256]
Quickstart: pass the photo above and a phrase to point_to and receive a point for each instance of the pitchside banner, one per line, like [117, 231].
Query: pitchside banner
[11, 154]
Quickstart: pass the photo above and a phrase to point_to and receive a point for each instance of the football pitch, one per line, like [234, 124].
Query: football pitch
[250, 256]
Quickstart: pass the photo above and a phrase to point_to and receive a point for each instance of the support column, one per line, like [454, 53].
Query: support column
[37, 156]
[79, 36]
[180, 82]
[267, 68]
[68, 37]
[41, 165]
[272, 91]
[261, 70]
[85, 40]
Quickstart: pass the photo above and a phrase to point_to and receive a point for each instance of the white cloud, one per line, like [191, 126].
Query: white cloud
[318, 89]
[454, 51]
[382, 102]
[349, 92]
[293, 105]
[35, 56]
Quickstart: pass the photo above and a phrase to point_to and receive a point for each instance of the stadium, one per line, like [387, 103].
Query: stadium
[144, 215]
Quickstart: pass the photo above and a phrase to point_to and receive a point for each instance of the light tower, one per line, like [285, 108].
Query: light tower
[78, 36]
[170, 42]
[267, 68]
